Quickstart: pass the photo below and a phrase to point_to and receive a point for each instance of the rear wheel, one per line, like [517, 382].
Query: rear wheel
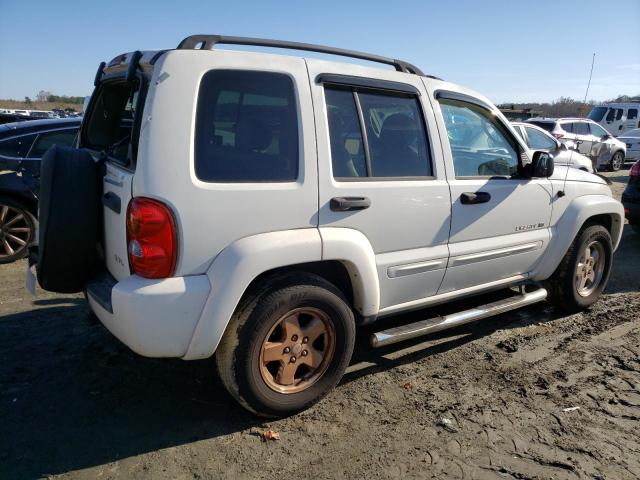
[287, 345]
[616, 161]
[584, 271]
[17, 230]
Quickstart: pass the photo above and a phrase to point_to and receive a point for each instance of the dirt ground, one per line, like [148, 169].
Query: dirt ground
[528, 394]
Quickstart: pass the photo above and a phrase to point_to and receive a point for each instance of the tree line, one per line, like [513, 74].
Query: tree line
[565, 106]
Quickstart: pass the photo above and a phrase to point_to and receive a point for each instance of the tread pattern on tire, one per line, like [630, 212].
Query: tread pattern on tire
[560, 284]
[226, 351]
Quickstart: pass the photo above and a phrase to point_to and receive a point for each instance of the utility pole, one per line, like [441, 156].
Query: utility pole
[593, 60]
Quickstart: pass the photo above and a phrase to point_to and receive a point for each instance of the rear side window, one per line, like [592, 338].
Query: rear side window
[567, 127]
[246, 127]
[375, 134]
[17, 147]
[64, 138]
[581, 128]
[632, 113]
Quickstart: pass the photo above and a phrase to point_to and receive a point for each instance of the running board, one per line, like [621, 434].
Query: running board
[425, 327]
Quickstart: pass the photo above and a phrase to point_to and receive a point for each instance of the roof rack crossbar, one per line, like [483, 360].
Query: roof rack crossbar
[207, 42]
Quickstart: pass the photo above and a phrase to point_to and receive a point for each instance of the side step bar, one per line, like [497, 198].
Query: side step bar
[425, 327]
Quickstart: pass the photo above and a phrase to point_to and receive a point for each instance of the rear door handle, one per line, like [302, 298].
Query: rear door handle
[347, 204]
[473, 198]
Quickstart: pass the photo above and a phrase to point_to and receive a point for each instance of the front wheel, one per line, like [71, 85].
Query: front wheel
[584, 271]
[17, 230]
[616, 161]
[287, 345]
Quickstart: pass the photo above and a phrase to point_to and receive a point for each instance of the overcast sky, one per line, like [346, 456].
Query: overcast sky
[521, 50]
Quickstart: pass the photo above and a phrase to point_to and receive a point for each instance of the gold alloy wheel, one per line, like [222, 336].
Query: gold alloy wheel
[590, 269]
[297, 350]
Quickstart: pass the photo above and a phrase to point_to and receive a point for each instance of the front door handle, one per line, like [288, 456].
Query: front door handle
[473, 198]
[347, 204]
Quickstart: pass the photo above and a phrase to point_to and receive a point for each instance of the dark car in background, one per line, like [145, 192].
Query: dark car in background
[21, 148]
[631, 198]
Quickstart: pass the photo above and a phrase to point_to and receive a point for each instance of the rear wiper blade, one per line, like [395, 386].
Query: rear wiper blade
[109, 150]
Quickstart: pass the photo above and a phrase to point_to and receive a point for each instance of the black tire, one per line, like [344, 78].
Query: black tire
[69, 215]
[617, 161]
[563, 291]
[238, 355]
[17, 225]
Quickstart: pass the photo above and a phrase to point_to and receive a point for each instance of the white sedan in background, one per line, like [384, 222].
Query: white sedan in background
[563, 153]
[631, 139]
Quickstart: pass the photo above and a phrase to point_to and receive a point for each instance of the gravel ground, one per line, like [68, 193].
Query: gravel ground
[528, 394]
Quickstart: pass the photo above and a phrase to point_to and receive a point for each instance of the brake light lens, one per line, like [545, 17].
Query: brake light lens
[151, 238]
[635, 170]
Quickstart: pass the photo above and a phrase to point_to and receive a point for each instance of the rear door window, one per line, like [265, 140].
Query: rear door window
[17, 147]
[619, 113]
[581, 128]
[567, 127]
[46, 140]
[632, 113]
[246, 127]
[376, 134]
[611, 115]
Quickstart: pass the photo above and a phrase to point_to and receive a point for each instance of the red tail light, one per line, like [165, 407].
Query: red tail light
[151, 238]
[635, 170]
[558, 135]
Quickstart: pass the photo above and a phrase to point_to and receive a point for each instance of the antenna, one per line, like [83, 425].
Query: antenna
[593, 60]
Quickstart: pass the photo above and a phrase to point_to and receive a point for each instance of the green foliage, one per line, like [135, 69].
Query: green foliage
[65, 99]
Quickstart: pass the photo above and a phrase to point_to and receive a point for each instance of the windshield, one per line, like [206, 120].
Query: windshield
[110, 125]
[597, 113]
[548, 126]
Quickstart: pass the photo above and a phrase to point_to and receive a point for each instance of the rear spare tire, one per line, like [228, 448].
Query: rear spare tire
[69, 218]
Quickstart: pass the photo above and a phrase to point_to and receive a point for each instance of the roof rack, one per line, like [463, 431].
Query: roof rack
[207, 42]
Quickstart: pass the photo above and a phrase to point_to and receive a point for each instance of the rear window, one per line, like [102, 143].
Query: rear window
[246, 127]
[548, 126]
[597, 114]
[110, 124]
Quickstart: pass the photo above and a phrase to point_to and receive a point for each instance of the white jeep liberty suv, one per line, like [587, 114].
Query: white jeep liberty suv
[259, 207]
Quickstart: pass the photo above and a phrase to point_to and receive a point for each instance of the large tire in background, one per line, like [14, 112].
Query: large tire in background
[69, 215]
[17, 229]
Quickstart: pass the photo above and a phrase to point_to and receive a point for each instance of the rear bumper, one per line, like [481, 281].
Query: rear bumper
[155, 318]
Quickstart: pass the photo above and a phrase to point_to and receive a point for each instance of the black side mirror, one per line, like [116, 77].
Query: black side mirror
[542, 165]
[606, 136]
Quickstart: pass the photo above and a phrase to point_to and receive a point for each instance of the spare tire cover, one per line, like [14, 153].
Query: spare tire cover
[69, 215]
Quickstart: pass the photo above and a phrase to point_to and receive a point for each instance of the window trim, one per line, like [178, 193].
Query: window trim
[355, 90]
[520, 145]
[365, 82]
